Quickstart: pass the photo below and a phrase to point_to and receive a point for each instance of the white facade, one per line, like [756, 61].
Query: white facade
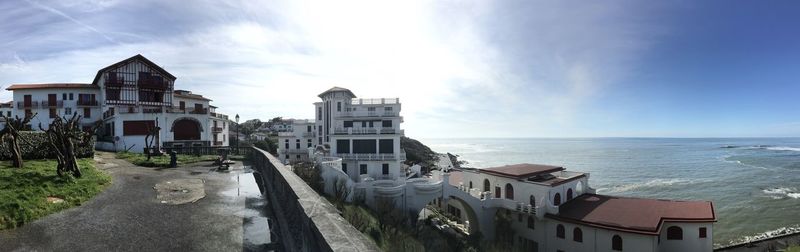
[294, 145]
[129, 99]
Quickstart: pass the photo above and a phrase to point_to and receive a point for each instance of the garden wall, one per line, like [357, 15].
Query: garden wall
[34, 145]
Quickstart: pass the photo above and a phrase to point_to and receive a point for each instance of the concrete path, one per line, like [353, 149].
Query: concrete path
[128, 216]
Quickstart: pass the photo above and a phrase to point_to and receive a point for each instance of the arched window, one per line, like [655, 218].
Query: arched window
[531, 222]
[579, 188]
[616, 243]
[486, 186]
[557, 199]
[470, 185]
[674, 233]
[569, 194]
[577, 235]
[509, 192]
[560, 231]
[533, 201]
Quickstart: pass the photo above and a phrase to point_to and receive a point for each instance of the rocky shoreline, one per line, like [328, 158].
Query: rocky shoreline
[770, 240]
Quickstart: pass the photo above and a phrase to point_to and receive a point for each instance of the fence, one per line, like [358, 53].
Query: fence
[208, 150]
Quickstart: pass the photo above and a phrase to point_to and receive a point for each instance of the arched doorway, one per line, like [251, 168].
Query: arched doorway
[569, 194]
[533, 201]
[186, 129]
[557, 199]
[486, 186]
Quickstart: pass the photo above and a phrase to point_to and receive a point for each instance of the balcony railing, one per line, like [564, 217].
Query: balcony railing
[218, 115]
[128, 110]
[366, 156]
[31, 104]
[199, 111]
[216, 129]
[308, 134]
[368, 114]
[87, 103]
[217, 142]
[357, 101]
[54, 104]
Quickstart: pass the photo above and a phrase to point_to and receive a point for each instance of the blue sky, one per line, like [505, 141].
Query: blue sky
[461, 68]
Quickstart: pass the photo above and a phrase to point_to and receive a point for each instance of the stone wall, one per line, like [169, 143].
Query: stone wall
[305, 220]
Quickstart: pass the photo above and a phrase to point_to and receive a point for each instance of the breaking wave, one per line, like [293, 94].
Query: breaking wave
[763, 236]
[649, 184]
[783, 148]
[782, 192]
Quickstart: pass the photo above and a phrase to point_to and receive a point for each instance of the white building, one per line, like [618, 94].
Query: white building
[294, 145]
[128, 99]
[555, 210]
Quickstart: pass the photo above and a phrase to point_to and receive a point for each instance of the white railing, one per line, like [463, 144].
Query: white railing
[368, 114]
[366, 156]
[286, 134]
[361, 101]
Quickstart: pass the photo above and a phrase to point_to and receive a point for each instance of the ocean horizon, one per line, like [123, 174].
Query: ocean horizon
[753, 182]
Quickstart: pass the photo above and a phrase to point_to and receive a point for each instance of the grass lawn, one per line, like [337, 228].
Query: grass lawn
[793, 249]
[163, 160]
[23, 192]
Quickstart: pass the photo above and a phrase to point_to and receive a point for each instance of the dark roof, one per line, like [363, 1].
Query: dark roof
[521, 171]
[49, 85]
[191, 96]
[128, 60]
[337, 89]
[635, 215]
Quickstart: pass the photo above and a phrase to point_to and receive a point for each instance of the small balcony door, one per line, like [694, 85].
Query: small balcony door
[51, 100]
[27, 101]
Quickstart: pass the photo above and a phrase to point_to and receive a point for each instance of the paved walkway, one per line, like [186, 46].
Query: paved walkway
[128, 217]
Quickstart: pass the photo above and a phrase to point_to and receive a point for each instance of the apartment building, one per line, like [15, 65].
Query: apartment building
[128, 99]
[294, 145]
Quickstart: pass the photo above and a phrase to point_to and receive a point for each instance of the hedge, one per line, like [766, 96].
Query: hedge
[37, 147]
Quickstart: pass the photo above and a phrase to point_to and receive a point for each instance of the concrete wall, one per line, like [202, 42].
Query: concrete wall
[306, 221]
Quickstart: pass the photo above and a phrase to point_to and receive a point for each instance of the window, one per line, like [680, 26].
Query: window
[87, 113]
[371, 125]
[674, 233]
[53, 113]
[64, 96]
[309, 143]
[344, 168]
[71, 96]
[348, 124]
[364, 146]
[136, 128]
[387, 108]
[616, 243]
[297, 146]
[486, 185]
[385, 169]
[342, 146]
[364, 124]
[371, 109]
[319, 114]
[577, 235]
[339, 106]
[569, 194]
[703, 233]
[560, 231]
[531, 222]
[308, 128]
[386, 145]
[287, 156]
[533, 201]
[386, 124]
[557, 199]
[509, 191]
[363, 168]
[470, 185]
[497, 193]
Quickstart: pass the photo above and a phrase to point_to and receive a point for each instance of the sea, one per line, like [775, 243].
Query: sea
[754, 183]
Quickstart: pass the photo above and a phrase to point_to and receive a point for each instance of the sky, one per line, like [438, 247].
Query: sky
[460, 68]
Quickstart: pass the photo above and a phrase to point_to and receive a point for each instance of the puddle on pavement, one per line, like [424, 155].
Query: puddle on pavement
[256, 216]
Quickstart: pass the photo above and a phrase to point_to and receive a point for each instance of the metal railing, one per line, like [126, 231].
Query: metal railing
[368, 114]
[361, 101]
[366, 156]
[31, 104]
[47, 103]
[216, 129]
[87, 103]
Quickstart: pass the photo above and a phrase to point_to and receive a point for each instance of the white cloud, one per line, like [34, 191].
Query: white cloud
[456, 66]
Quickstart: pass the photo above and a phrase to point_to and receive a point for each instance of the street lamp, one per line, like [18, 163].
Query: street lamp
[237, 132]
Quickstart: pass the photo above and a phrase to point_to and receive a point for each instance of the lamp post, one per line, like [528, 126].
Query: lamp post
[237, 133]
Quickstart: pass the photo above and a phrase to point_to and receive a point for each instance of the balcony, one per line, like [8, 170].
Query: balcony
[199, 111]
[217, 143]
[293, 151]
[308, 134]
[349, 114]
[218, 115]
[27, 105]
[374, 101]
[216, 129]
[88, 103]
[152, 83]
[286, 134]
[54, 104]
[128, 110]
[366, 156]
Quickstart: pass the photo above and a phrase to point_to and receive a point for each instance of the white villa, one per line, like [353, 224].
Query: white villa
[357, 144]
[127, 98]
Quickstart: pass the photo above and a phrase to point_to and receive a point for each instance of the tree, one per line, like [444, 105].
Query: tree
[504, 232]
[11, 136]
[62, 135]
[149, 138]
[340, 190]
[268, 144]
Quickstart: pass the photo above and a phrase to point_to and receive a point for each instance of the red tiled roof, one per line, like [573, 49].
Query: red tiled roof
[521, 171]
[636, 215]
[50, 85]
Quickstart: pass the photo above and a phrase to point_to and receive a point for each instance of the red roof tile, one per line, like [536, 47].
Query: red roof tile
[644, 216]
[521, 171]
[50, 85]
